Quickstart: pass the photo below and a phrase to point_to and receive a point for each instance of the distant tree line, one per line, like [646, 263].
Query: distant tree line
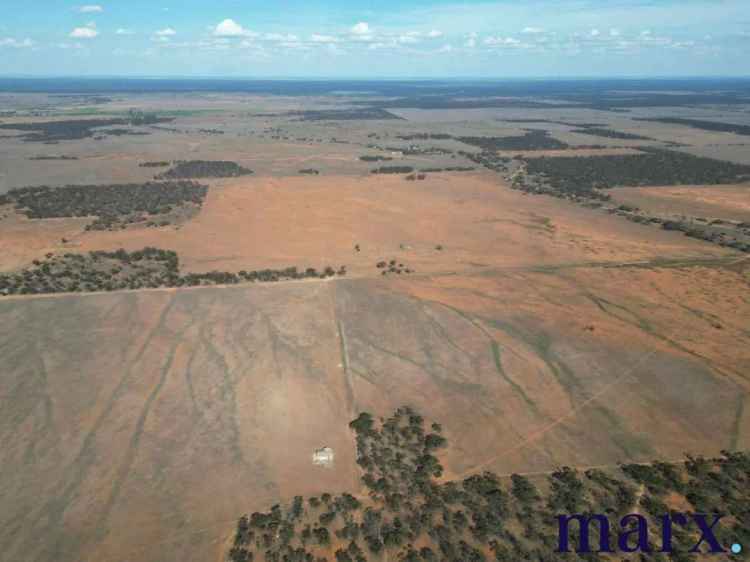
[700, 124]
[532, 140]
[609, 133]
[76, 129]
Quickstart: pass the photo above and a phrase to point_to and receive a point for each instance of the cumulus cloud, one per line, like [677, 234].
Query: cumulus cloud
[434, 34]
[445, 49]
[15, 43]
[595, 33]
[87, 32]
[230, 28]
[532, 30]
[166, 32]
[90, 9]
[471, 42]
[123, 31]
[362, 28]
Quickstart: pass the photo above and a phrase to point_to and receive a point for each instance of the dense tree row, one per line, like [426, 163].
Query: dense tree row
[425, 136]
[191, 169]
[53, 131]
[653, 167]
[369, 158]
[565, 123]
[147, 268]
[309, 172]
[354, 114]
[700, 124]
[111, 204]
[53, 158]
[409, 516]
[393, 170]
[608, 133]
[531, 140]
[449, 169]
[154, 164]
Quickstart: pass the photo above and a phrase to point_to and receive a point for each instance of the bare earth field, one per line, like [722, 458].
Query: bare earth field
[714, 202]
[252, 223]
[138, 425]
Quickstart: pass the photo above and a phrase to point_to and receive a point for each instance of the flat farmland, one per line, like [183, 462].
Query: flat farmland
[221, 395]
[254, 223]
[729, 202]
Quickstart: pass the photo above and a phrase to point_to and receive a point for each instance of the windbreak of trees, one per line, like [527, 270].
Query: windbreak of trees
[368, 158]
[700, 124]
[409, 515]
[191, 169]
[609, 133]
[53, 157]
[147, 268]
[354, 114]
[393, 170]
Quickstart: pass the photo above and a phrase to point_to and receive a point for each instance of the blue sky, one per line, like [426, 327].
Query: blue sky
[388, 38]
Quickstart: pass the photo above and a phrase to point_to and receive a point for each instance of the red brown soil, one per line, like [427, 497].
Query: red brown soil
[716, 201]
[313, 222]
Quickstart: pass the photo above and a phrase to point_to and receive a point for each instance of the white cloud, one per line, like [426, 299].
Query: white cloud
[90, 9]
[532, 30]
[614, 32]
[281, 37]
[502, 41]
[317, 38]
[445, 49]
[15, 43]
[407, 40]
[166, 32]
[362, 28]
[434, 34]
[230, 28]
[595, 33]
[471, 42]
[87, 32]
[123, 31]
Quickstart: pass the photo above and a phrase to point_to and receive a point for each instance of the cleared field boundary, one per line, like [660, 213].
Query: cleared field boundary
[717, 261]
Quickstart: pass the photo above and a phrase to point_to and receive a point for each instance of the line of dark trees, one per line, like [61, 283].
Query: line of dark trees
[147, 268]
[609, 133]
[700, 124]
[191, 169]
